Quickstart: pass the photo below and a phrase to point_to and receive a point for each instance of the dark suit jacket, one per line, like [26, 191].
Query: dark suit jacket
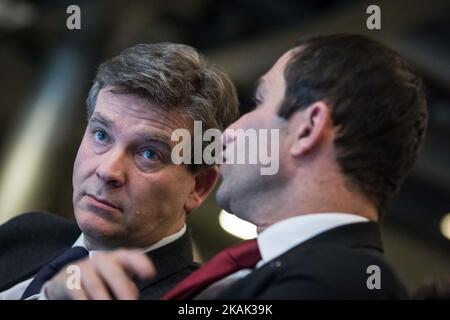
[31, 240]
[331, 265]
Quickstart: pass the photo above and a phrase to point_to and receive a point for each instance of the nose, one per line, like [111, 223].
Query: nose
[228, 136]
[112, 168]
[230, 133]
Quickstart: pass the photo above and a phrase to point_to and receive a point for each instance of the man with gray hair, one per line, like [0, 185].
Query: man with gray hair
[127, 193]
[351, 115]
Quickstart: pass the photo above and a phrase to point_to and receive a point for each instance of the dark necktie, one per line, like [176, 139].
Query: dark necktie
[52, 268]
[242, 256]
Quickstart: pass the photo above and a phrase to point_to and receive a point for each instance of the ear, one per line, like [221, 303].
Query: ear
[311, 128]
[203, 184]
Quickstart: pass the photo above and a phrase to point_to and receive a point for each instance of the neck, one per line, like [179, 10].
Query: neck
[307, 198]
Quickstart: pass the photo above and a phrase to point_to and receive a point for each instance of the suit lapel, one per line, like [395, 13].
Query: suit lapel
[170, 259]
[29, 242]
[355, 235]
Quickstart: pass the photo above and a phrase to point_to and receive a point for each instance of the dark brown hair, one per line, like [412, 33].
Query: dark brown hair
[377, 102]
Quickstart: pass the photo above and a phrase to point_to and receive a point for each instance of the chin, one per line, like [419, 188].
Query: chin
[98, 228]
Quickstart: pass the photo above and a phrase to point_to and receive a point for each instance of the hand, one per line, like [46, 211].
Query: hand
[105, 276]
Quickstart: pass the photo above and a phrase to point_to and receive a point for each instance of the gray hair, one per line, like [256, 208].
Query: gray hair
[171, 76]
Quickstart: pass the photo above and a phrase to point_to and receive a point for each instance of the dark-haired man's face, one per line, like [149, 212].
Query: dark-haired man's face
[242, 184]
[126, 190]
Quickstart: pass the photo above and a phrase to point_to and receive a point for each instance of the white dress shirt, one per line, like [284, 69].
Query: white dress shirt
[16, 292]
[286, 234]
[283, 236]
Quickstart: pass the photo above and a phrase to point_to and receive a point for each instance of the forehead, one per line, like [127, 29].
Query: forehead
[276, 73]
[132, 112]
[281, 63]
[273, 82]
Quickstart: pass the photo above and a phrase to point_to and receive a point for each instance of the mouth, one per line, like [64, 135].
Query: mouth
[101, 203]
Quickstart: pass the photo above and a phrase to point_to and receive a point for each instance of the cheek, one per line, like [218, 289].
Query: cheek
[164, 191]
[81, 164]
[245, 121]
[255, 120]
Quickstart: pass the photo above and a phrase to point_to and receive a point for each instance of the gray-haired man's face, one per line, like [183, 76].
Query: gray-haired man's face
[126, 190]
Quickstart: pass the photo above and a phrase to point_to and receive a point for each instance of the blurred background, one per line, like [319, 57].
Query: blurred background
[46, 71]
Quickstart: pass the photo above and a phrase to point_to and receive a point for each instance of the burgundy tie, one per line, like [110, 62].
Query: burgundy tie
[242, 256]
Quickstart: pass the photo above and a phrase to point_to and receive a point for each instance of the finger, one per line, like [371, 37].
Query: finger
[136, 263]
[116, 278]
[78, 294]
[93, 284]
[57, 289]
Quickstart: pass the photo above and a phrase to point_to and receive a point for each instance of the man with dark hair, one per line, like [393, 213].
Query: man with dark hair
[351, 116]
[127, 192]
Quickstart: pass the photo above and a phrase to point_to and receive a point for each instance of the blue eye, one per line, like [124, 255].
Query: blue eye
[100, 135]
[150, 154]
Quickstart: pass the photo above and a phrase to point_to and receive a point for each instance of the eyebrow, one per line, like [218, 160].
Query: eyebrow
[97, 117]
[154, 137]
[260, 86]
[261, 82]
[141, 136]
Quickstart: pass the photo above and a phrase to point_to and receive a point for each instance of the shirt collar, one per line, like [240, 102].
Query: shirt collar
[286, 234]
[164, 241]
